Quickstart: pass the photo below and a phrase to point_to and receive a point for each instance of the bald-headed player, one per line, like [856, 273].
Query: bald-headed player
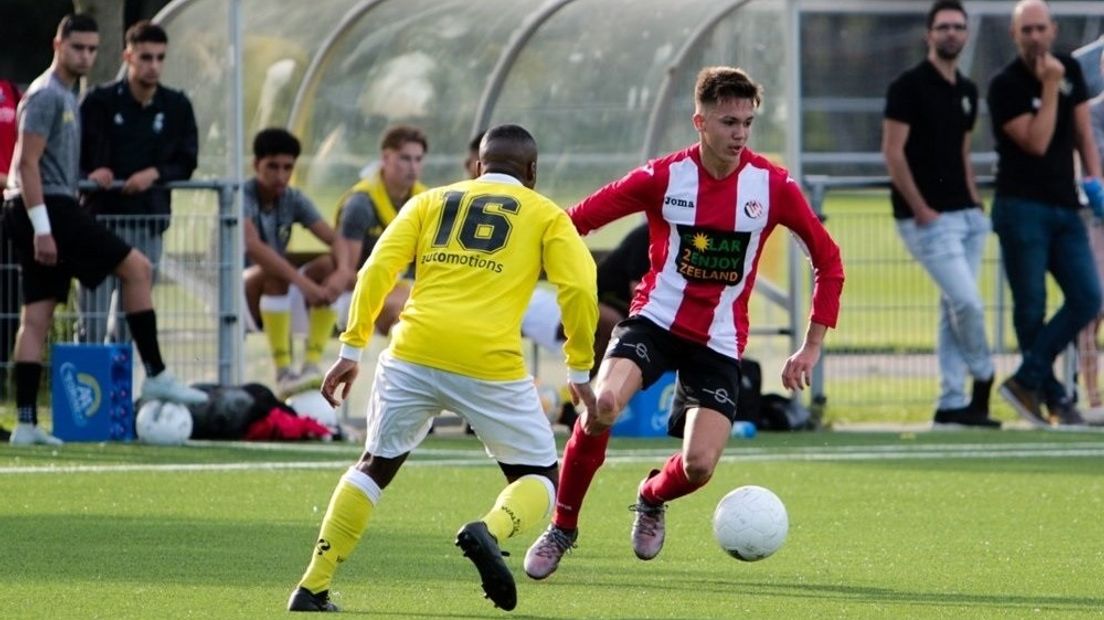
[459, 351]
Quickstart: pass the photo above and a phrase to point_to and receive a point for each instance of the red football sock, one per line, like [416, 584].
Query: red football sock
[669, 484]
[582, 457]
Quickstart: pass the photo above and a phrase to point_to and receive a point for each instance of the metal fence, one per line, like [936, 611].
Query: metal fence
[197, 292]
[882, 357]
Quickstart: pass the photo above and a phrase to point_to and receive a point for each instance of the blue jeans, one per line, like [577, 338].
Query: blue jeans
[1035, 238]
[950, 250]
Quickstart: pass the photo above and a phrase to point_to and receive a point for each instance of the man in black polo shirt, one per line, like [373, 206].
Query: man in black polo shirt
[137, 131]
[1040, 115]
[929, 114]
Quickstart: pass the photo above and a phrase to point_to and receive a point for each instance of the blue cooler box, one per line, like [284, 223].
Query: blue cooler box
[92, 395]
[647, 412]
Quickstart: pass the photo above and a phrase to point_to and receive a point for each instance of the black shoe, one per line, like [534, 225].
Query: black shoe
[303, 599]
[1024, 401]
[482, 549]
[963, 417]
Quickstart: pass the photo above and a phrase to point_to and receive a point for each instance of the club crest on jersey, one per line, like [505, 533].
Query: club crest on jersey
[753, 209]
[966, 107]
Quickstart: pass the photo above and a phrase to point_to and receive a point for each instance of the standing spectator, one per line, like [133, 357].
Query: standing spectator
[56, 240]
[140, 132]
[9, 276]
[1040, 113]
[929, 115]
[1087, 352]
[710, 209]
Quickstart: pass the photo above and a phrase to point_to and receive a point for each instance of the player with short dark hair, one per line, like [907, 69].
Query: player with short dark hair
[141, 132]
[462, 352]
[56, 240]
[710, 208]
[270, 209]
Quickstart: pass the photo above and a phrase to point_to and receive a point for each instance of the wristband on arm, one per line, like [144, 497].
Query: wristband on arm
[40, 220]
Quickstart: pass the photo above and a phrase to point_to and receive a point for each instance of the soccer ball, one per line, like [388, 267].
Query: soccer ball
[750, 523]
[163, 423]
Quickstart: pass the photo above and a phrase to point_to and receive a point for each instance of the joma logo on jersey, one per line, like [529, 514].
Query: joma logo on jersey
[678, 202]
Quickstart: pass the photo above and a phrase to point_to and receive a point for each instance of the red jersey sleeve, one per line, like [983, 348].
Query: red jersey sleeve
[634, 192]
[795, 214]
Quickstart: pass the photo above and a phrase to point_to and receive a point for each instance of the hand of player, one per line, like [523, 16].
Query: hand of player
[102, 177]
[334, 285]
[141, 181]
[315, 294]
[1048, 68]
[45, 249]
[797, 374]
[343, 372]
[583, 393]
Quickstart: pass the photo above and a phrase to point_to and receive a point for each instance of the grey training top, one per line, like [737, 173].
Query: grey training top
[49, 109]
[274, 225]
[358, 216]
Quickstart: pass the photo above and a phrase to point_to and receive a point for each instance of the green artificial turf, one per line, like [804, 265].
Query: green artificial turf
[962, 525]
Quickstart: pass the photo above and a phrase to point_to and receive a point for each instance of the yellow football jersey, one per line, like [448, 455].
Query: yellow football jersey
[479, 247]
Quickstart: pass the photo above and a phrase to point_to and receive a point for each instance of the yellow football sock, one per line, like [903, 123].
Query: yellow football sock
[276, 316]
[523, 504]
[320, 324]
[350, 509]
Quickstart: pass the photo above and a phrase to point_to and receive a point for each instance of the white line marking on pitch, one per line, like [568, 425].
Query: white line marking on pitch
[472, 458]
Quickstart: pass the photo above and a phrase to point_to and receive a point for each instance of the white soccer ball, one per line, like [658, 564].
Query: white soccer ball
[163, 423]
[312, 404]
[750, 523]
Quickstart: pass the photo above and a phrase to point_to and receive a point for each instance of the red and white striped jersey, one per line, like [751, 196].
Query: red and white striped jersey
[706, 238]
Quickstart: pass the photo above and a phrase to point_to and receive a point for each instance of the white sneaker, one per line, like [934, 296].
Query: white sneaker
[1094, 416]
[310, 378]
[29, 434]
[165, 387]
[286, 381]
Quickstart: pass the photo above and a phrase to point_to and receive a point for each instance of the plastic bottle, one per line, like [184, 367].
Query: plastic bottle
[744, 429]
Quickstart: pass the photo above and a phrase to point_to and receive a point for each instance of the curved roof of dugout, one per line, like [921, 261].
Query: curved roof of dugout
[601, 84]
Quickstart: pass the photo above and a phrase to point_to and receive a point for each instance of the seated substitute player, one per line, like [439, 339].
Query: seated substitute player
[710, 209]
[369, 207]
[270, 209]
[55, 240]
[462, 352]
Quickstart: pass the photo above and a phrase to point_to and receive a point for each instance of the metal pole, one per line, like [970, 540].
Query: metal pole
[229, 373]
[231, 323]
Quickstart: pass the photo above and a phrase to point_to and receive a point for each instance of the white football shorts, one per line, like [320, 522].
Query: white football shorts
[506, 415]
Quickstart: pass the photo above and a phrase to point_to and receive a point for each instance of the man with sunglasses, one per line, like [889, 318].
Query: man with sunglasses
[143, 134]
[930, 111]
